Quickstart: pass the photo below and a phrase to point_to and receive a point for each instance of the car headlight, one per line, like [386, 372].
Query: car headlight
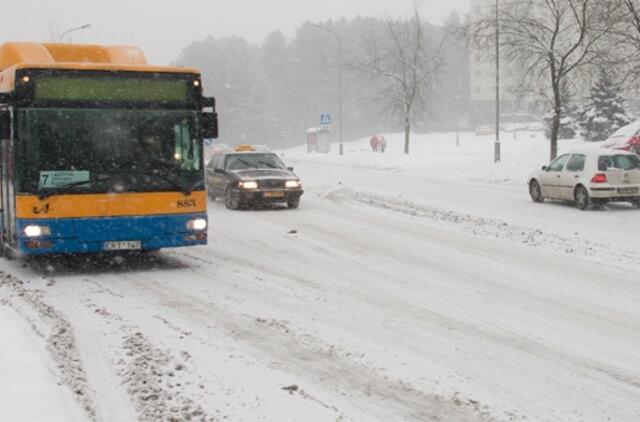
[197, 224]
[248, 185]
[292, 184]
[36, 231]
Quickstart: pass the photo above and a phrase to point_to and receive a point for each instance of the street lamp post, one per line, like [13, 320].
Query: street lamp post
[496, 152]
[457, 117]
[77, 28]
[339, 39]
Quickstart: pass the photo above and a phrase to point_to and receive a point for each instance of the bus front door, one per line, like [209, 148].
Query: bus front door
[6, 202]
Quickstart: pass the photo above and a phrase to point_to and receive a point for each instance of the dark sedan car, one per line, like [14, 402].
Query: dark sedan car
[249, 177]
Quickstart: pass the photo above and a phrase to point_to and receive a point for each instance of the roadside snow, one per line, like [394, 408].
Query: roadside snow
[29, 388]
[436, 155]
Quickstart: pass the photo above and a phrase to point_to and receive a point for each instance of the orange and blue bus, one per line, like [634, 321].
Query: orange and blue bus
[100, 151]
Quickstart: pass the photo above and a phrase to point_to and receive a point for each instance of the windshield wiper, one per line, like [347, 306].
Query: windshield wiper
[246, 163]
[268, 164]
[186, 190]
[60, 189]
[165, 176]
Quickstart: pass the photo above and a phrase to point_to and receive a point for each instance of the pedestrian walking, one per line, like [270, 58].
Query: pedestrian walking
[375, 143]
[383, 143]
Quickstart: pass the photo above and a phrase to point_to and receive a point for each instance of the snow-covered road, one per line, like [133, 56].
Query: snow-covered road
[390, 295]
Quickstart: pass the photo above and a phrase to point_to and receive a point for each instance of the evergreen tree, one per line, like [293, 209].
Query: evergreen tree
[605, 112]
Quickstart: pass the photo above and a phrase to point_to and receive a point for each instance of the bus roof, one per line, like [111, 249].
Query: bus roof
[21, 55]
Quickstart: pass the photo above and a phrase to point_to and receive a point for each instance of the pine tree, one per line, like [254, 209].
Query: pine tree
[569, 113]
[605, 111]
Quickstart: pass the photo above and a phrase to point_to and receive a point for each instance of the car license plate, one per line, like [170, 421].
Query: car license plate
[123, 245]
[274, 194]
[627, 191]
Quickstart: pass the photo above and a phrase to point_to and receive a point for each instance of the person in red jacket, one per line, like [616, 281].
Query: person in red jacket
[375, 143]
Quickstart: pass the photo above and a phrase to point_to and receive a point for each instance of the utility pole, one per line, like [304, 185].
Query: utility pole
[496, 152]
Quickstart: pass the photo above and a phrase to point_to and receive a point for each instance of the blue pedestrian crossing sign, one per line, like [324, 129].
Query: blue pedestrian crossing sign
[325, 119]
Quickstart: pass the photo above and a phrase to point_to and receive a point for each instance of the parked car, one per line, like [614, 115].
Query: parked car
[627, 138]
[485, 130]
[589, 178]
[249, 175]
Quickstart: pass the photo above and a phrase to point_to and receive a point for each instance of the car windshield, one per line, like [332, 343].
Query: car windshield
[87, 150]
[618, 161]
[253, 161]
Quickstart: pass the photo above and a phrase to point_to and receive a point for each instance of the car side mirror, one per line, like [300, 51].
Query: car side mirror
[5, 124]
[290, 168]
[209, 125]
[545, 168]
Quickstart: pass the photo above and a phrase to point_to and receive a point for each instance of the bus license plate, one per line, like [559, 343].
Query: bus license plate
[123, 245]
[274, 194]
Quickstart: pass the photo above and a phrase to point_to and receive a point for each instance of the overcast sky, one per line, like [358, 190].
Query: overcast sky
[163, 27]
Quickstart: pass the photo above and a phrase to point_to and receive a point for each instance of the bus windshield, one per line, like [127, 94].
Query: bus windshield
[91, 150]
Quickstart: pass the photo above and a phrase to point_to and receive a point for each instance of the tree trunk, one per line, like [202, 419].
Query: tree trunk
[407, 134]
[555, 124]
[555, 129]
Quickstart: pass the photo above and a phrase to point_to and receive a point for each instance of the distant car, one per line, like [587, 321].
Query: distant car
[248, 176]
[627, 138]
[589, 178]
[484, 130]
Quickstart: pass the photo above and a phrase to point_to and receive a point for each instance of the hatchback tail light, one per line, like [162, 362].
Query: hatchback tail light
[599, 178]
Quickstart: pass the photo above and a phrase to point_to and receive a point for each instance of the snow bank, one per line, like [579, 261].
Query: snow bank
[29, 390]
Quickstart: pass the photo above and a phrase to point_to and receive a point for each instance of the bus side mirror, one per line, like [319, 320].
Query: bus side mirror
[5, 124]
[209, 125]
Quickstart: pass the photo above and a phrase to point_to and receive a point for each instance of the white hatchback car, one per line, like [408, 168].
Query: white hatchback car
[589, 178]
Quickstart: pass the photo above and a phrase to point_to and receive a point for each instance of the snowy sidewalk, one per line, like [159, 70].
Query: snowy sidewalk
[28, 388]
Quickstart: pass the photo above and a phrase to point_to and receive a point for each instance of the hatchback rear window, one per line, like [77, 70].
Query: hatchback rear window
[618, 161]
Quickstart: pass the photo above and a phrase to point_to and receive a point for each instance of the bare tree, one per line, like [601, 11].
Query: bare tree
[625, 41]
[405, 59]
[550, 43]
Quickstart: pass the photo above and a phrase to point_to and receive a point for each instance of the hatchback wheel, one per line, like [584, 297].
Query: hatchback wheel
[535, 191]
[293, 204]
[581, 197]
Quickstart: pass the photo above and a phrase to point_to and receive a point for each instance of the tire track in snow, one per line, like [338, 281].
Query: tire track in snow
[311, 357]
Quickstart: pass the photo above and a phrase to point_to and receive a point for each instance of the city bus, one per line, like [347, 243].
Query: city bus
[100, 151]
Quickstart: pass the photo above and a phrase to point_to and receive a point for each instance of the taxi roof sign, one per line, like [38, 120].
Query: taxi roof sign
[244, 147]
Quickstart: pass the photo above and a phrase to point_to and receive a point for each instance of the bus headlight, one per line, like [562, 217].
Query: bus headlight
[248, 185]
[292, 184]
[36, 231]
[197, 224]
